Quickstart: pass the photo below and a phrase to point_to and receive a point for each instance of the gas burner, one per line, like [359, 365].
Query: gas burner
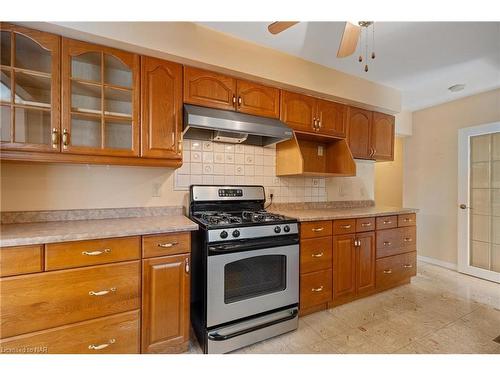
[261, 216]
[219, 218]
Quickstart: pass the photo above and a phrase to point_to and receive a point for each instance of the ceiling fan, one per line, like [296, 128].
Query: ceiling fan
[350, 35]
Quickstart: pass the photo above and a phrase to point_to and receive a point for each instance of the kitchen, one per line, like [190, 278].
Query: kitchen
[159, 199]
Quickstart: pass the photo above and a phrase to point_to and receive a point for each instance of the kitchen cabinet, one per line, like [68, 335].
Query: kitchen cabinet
[30, 95]
[100, 105]
[165, 304]
[308, 114]
[365, 263]
[370, 134]
[161, 102]
[214, 90]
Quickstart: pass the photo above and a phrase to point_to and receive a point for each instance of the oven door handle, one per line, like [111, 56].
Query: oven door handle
[217, 337]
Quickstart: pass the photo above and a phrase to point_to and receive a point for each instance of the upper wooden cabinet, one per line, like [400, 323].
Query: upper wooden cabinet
[370, 134]
[30, 94]
[210, 89]
[308, 114]
[101, 96]
[161, 103]
[383, 136]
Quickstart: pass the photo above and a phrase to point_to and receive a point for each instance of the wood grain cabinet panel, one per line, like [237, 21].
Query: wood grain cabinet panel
[259, 100]
[115, 334]
[395, 269]
[91, 252]
[382, 137]
[165, 304]
[387, 222]
[165, 244]
[344, 267]
[50, 299]
[161, 114]
[359, 132]
[344, 226]
[298, 111]
[407, 220]
[408, 239]
[365, 263]
[18, 260]
[315, 288]
[388, 242]
[332, 118]
[315, 254]
[209, 89]
[313, 229]
[365, 224]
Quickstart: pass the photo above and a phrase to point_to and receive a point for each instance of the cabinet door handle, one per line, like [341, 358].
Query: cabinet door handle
[408, 266]
[102, 292]
[366, 224]
[234, 99]
[65, 138]
[179, 146]
[387, 222]
[407, 220]
[239, 101]
[388, 271]
[96, 252]
[314, 123]
[318, 255]
[55, 138]
[102, 346]
[186, 265]
[407, 239]
[348, 226]
[387, 243]
[317, 289]
[168, 244]
[318, 229]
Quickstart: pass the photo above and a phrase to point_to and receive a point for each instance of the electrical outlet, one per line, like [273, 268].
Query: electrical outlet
[156, 190]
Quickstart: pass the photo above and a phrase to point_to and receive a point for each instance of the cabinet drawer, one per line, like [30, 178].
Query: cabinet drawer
[166, 244]
[315, 254]
[392, 270]
[19, 260]
[365, 225]
[50, 299]
[313, 229]
[388, 242]
[408, 238]
[345, 226]
[315, 288]
[387, 222]
[115, 334]
[407, 220]
[88, 253]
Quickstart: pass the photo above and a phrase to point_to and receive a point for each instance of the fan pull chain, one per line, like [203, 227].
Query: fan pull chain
[373, 40]
[366, 49]
[359, 47]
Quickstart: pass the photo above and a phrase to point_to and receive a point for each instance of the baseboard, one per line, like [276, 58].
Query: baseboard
[437, 262]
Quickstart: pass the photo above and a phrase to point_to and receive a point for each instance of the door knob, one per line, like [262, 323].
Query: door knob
[463, 206]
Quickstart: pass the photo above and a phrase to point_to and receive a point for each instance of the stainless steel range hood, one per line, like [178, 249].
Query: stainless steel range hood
[232, 127]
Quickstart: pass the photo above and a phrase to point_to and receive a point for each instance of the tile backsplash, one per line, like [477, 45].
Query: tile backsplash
[208, 163]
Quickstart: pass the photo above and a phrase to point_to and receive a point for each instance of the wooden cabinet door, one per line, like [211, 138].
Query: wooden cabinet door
[298, 111]
[359, 124]
[331, 117]
[30, 100]
[382, 137]
[161, 122]
[209, 89]
[100, 100]
[165, 304]
[258, 100]
[344, 267]
[365, 263]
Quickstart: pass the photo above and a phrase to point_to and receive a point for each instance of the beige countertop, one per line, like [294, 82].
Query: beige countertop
[73, 230]
[313, 214]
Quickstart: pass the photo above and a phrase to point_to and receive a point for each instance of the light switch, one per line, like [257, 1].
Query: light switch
[320, 150]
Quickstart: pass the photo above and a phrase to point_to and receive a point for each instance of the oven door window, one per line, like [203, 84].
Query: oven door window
[252, 277]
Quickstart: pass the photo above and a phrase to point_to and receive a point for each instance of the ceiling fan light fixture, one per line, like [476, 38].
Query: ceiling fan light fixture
[456, 88]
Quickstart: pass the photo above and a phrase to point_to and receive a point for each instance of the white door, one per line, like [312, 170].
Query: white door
[479, 201]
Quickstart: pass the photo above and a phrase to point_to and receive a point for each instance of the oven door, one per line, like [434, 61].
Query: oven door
[244, 283]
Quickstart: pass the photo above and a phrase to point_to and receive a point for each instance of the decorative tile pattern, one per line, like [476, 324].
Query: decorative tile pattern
[244, 165]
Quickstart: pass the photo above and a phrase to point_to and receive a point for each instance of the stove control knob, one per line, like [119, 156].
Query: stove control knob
[223, 234]
[286, 228]
[277, 229]
[236, 233]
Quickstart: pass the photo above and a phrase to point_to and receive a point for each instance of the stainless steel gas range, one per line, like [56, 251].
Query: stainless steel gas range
[245, 268]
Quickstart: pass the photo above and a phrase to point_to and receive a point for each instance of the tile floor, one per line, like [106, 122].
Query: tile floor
[441, 311]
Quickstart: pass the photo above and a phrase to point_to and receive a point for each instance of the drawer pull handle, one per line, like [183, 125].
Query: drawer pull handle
[96, 252]
[320, 289]
[388, 271]
[102, 346]
[408, 266]
[318, 229]
[407, 220]
[168, 244]
[318, 255]
[102, 292]
[186, 265]
[348, 226]
[387, 222]
[387, 243]
[366, 224]
[408, 239]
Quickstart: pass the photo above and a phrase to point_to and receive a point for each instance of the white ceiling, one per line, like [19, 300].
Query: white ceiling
[421, 59]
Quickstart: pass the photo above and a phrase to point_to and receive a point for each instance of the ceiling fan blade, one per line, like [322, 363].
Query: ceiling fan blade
[349, 40]
[279, 26]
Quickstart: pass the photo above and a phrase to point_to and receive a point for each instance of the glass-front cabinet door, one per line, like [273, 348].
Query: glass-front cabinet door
[100, 100]
[29, 89]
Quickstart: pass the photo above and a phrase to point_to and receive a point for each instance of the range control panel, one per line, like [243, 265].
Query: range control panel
[252, 232]
[230, 192]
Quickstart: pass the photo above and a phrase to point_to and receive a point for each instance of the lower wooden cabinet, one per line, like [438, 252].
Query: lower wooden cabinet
[365, 263]
[315, 288]
[396, 269]
[165, 304]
